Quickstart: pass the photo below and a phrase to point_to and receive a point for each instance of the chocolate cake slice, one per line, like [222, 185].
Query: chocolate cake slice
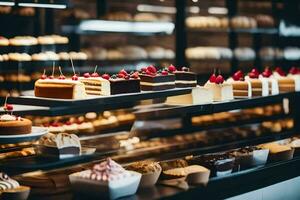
[151, 80]
[184, 77]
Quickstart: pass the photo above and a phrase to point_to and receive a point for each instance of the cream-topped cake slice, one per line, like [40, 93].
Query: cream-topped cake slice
[199, 95]
[294, 73]
[285, 83]
[222, 90]
[273, 87]
[241, 88]
[259, 87]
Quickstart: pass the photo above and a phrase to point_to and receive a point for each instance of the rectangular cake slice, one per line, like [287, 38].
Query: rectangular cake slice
[157, 82]
[61, 89]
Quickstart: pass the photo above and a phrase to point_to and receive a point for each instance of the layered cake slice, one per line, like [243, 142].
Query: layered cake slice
[241, 87]
[285, 83]
[259, 87]
[184, 77]
[294, 73]
[62, 145]
[106, 180]
[266, 75]
[222, 90]
[60, 88]
[109, 85]
[153, 80]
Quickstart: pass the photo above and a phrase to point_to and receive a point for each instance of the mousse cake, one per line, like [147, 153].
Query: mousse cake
[106, 180]
[184, 77]
[107, 85]
[153, 80]
[222, 90]
[62, 145]
[241, 87]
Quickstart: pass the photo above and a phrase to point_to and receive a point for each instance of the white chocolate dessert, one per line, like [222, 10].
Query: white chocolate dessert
[222, 90]
[259, 87]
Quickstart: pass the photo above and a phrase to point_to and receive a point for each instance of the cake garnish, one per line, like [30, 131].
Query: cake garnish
[8, 108]
[106, 76]
[280, 71]
[53, 69]
[135, 75]
[143, 70]
[7, 183]
[219, 79]
[213, 77]
[108, 170]
[113, 76]
[237, 76]
[61, 76]
[86, 75]
[164, 73]
[74, 77]
[267, 72]
[185, 69]
[254, 73]
[151, 70]
[44, 76]
[294, 71]
[123, 74]
[95, 74]
[171, 68]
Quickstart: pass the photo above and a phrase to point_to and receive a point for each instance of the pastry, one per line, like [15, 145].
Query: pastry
[109, 85]
[62, 145]
[61, 88]
[145, 17]
[3, 41]
[278, 152]
[13, 125]
[222, 90]
[183, 78]
[241, 87]
[45, 40]
[259, 87]
[153, 80]
[285, 83]
[267, 76]
[265, 21]
[150, 172]
[107, 179]
[10, 189]
[294, 73]
[23, 41]
[119, 16]
[155, 52]
[58, 39]
[133, 52]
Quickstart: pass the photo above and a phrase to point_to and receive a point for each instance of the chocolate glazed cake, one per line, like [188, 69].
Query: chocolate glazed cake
[158, 82]
[183, 78]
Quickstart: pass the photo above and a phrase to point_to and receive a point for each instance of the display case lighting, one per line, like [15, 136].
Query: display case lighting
[7, 3]
[218, 10]
[43, 5]
[127, 27]
[164, 9]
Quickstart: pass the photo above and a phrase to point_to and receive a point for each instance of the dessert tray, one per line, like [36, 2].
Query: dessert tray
[35, 134]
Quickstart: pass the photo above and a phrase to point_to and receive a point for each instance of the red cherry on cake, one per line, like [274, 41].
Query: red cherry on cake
[75, 77]
[121, 75]
[123, 72]
[106, 76]
[127, 77]
[135, 75]
[51, 77]
[68, 123]
[151, 69]
[253, 75]
[219, 79]
[280, 71]
[95, 75]
[62, 77]
[164, 73]
[143, 69]
[171, 68]
[212, 78]
[267, 73]
[255, 71]
[294, 70]
[86, 75]
[238, 75]
[9, 107]
[44, 76]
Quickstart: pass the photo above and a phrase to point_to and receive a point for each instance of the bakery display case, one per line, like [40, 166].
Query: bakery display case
[165, 99]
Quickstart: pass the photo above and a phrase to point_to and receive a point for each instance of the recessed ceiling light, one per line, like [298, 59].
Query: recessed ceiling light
[7, 3]
[43, 5]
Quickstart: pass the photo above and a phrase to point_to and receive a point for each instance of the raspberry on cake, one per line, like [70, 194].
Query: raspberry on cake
[107, 85]
[61, 88]
[241, 87]
[259, 87]
[13, 125]
[153, 80]
[184, 77]
[222, 90]
[294, 73]
[267, 75]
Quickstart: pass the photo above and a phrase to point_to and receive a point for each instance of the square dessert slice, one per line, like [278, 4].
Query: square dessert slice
[199, 95]
[183, 78]
[151, 80]
[294, 73]
[241, 87]
[222, 90]
[106, 85]
[60, 88]
[285, 83]
[272, 82]
[259, 87]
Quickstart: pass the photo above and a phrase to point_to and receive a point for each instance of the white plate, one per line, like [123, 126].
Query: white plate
[35, 134]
